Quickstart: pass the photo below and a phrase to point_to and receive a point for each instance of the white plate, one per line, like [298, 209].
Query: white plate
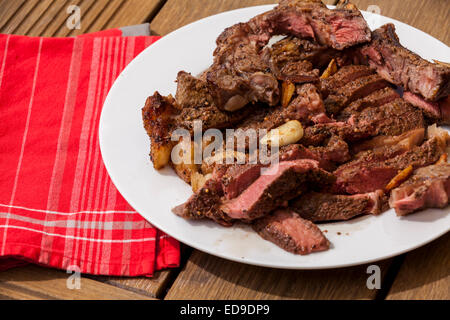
[125, 147]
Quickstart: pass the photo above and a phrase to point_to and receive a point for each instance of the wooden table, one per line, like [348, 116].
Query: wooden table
[421, 274]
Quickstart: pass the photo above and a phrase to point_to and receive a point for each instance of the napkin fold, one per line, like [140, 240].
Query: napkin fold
[58, 206]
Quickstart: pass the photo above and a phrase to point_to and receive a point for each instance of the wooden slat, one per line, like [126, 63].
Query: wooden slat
[34, 282]
[56, 9]
[20, 16]
[177, 13]
[33, 17]
[153, 287]
[48, 17]
[7, 9]
[141, 11]
[208, 277]
[432, 17]
[425, 273]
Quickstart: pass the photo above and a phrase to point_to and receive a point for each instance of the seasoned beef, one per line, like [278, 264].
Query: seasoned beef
[375, 99]
[240, 72]
[293, 49]
[306, 107]
[297, 72]
[404, 68]
[289, 231]
[429, 187]
[205, 204]
[320, 207]
[345, 75]
[378, 144]
[374, 171]
[390, 119]
[352, 91]
[192, 92]
[393, 118]
[280, 183]
[239, 177]
[438, 111]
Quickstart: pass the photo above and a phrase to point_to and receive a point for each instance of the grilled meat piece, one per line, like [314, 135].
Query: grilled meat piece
[438, 111]
[280, 183]
[429, 187]
[344, 75]
[374, 170]
[352, 91]
[205, 204]
[375, 99]
[240, 71]
[293, 49]
[320, 207]
[289, 231]
[404, 68]
[307, 107]
[192, 92]
[378, 144]
[392, 119]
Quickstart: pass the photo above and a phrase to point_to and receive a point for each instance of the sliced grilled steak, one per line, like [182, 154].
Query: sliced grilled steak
[320, 207]
[205, 204]
[429, 187]
[352, 91]
[307, 107]
[372, 172]
[297, 72]
[438, 111]
[237, 177]
[192, 92]
[375, 99]
[404, 68]
[289, 231]
[293, 49]
[378, 144]
[391, 119]
[344, 75]
[280, 183]
[239, 73]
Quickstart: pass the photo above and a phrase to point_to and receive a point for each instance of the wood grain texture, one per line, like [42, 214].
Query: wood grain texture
[425, 273]
[34, 282]
[177, 13]
[208, 277]
[432, 17]
[48, 17]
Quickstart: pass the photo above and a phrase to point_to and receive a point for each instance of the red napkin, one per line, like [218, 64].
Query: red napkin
[58, 206]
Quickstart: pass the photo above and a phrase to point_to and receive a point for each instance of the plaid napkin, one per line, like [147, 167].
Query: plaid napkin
[58, 206]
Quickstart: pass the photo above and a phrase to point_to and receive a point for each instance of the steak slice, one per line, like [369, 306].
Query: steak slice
[205, 203]
[404, 68]
[391, 119]
[306, 107]
[429, 187]
[192, 92]
[372, 172]
[375, 99]
[406, 141]
[438, 111]
[293, 49]
[352, 91]
[320, 207]
[289, 231]
[280, 183]
[346, 74]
